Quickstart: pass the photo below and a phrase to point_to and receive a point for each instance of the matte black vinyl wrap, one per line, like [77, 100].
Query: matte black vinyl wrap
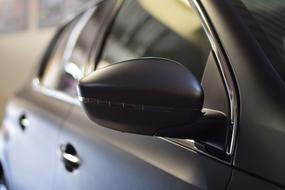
[241, 180]
[142, 95]
[112, 160]
[261, 130]
[147, 81]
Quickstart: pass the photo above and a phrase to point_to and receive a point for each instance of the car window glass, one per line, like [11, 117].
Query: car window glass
[79, 56]
[160, 28]
[65, 65]
[82, 51]
[168, 29]
[54, 75]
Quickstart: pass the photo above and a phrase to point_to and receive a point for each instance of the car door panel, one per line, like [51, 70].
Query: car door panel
[30, 153]
[242, 180]
[115, 160]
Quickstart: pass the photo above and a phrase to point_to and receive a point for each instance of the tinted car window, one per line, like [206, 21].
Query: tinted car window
[160, 28]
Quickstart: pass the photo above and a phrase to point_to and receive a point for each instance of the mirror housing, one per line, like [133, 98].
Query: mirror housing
[143, 96]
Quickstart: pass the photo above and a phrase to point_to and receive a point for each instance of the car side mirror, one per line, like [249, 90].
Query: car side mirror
[148, 96]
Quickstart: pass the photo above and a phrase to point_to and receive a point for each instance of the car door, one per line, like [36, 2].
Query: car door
[34, 117]
[94, 157]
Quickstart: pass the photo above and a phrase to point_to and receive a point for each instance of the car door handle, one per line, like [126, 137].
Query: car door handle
[24, 122]
[70, 158]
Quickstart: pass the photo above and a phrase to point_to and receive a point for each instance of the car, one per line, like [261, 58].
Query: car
[164, 94]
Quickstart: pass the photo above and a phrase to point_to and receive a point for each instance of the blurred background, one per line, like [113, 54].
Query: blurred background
[26, 27]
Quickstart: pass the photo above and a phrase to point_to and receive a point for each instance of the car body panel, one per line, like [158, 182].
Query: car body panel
[116, 160]
[32, 152]
[261, 90]
[242, 180]
[32, 158]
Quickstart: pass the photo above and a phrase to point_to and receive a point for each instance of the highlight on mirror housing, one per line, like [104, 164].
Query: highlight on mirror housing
[149, 96]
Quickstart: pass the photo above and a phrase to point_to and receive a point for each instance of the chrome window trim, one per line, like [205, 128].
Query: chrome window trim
[229, 84]
[226, 74]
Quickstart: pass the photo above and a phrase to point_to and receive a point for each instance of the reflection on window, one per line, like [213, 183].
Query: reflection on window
[160, 28]
[61, 74]
[84, 43]
[66, 64]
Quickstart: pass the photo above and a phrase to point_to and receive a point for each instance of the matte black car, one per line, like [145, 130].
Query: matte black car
[154, 94]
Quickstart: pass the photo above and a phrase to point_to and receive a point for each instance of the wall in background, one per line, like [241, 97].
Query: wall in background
[26, 27]
[19, 53]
